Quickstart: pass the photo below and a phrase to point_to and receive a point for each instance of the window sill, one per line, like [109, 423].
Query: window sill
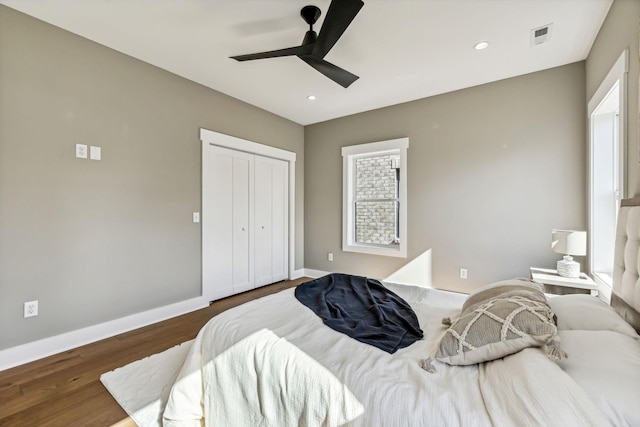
[399, 252]
[603, 278]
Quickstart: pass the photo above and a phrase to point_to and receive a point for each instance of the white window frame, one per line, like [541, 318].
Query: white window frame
[617, 74]
[349, 155]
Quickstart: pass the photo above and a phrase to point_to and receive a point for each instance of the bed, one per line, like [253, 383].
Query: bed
[274, 362]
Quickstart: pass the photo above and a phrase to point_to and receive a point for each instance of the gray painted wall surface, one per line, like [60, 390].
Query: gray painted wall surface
[619, 31]
[95, 241]
[491, 170]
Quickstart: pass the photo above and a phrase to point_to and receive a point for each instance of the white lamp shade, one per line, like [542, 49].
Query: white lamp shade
[569, 242]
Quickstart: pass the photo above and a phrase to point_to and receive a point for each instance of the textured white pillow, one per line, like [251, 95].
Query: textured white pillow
[518, 281]
[606, 365]
[585, 312]
[498, 320]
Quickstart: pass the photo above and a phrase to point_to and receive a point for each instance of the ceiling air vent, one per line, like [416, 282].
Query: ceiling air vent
[541, 34]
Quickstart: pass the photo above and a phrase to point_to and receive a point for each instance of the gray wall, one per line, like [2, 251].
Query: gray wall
[94, 241]
[491, 170]
[619, 31]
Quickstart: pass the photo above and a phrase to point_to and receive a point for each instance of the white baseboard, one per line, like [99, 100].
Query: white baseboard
[297, 274]
[45, 347]
[314, 274]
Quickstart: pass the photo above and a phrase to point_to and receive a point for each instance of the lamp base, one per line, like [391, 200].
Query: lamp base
[567, 267]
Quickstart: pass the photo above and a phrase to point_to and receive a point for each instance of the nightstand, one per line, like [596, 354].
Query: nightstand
[555, 284]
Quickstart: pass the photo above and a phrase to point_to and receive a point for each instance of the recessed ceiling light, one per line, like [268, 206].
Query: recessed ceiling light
[481, 45]
[311, 97]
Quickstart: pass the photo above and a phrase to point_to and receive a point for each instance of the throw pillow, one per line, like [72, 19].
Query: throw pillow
[585, 312]
[500, 319]
[608, 369]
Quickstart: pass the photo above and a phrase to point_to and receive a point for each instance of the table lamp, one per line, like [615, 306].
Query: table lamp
[568, 242]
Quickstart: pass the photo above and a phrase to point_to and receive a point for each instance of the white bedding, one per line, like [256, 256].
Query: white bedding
[523, 389]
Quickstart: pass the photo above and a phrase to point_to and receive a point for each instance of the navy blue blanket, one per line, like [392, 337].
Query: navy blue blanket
[363, 309]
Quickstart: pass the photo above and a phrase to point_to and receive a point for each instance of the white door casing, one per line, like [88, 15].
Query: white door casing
[223, 272]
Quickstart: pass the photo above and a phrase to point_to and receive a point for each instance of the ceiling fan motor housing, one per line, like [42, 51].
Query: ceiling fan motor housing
[310, 37]
[310, 14]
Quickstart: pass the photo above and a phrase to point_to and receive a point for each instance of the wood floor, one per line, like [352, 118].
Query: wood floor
[65, 389]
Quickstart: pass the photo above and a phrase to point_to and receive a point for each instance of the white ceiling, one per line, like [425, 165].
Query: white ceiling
[401, 49]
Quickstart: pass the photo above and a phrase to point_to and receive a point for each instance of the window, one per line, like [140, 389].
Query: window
[374, 198]
[606, 169]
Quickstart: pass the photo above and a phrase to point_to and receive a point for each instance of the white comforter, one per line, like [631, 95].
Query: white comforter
[525, 389]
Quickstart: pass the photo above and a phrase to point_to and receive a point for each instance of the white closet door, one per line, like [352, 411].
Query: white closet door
[280, 221]
[226, 223]
[241, 223]
[262, 224]
[245, 221]
[271, 220]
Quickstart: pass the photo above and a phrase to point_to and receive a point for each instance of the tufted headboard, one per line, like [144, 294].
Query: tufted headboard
[625, 296]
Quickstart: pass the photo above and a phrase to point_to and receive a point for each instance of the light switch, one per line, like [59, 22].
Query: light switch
[81, 151]
[95, 153]
[196, 217]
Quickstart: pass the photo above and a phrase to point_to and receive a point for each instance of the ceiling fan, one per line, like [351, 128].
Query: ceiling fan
[314, 46]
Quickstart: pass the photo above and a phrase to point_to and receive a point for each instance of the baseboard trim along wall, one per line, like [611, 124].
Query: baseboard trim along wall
[298, 274]
[35, 350]
[314, 274]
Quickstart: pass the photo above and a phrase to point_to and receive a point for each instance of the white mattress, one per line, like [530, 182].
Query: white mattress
[393, 389]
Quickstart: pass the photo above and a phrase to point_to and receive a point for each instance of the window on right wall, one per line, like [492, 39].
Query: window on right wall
[374, 198]
[607, 154]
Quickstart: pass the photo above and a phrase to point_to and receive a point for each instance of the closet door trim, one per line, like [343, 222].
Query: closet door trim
[211, 138]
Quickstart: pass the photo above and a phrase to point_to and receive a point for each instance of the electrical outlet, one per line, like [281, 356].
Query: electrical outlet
[330, 256]
[463, 273]
[30, 309]
[81, 151]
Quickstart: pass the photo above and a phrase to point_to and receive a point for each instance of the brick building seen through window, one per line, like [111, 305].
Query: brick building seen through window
[377, 200]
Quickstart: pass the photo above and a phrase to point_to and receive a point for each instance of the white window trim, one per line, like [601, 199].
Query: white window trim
[348, 155]
[617, 73]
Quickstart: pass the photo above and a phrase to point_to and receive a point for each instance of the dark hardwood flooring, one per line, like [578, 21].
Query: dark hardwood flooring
[65, 389]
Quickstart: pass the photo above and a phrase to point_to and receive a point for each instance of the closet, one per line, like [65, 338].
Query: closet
[245, 221]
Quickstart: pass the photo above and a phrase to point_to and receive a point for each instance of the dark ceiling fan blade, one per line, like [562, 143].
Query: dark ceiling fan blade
[290, 51]
[335, 73]
[336, 21]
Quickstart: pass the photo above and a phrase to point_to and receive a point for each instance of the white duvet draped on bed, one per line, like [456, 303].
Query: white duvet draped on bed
[522, 389]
